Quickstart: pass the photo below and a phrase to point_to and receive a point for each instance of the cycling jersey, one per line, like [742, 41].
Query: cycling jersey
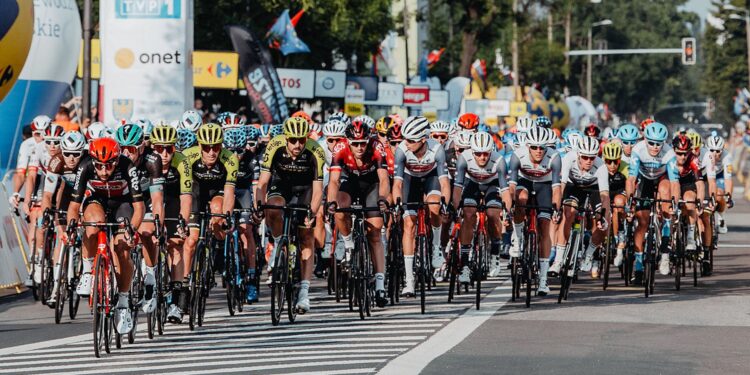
[223, 172]
[149, 174]
[625, 159]
[642, 164]
[432, 160]
[248, 171]
[521, 166]
[56, 171]
[373, 159]
[724, 166]
[299, 171]
[390, 160]
[597, 175]
[25, 154]
[617, 179]
[492, 173]
[178, 179]
[123, 182]
[706, 163]
[451, 158]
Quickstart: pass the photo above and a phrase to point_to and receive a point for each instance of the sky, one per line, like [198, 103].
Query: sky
[702, 7]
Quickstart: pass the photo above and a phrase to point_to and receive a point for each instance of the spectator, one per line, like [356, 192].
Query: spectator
[63, 119]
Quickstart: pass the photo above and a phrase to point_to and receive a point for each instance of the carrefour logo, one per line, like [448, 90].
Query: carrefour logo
[148, 8]
[220, 71]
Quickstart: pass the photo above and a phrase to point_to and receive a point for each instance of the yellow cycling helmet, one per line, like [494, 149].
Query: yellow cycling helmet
[163, 135]
[210, 134]
[612, 151]
[383, 124]
[296, 127]
[695, 138]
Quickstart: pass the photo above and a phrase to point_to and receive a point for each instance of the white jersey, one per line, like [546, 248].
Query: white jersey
[26, 153]
[724, 165]
[432, 160]
[492, 172]
[548, 170]
[642, 164]
[707, 163]
[625, 159]
[40, 159]
[573, 174]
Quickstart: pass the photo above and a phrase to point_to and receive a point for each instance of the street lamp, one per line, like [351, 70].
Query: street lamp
[731, 7]
[589, 64]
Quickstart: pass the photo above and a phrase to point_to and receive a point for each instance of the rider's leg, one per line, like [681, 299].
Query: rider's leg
[562, 240]
[436, 223]
[344, 223]
[407, 243]
[692, 215]
[92, 212]
[617, 215]
[519, 215]
[373, 226]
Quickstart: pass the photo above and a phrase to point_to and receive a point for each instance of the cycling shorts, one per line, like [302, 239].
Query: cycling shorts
[576, 195]
[113, 208]
[475, 193]
[542, 193]
[243, 199]
[415, 188]
[364, 192]
[297, 195]
[720, 184]
[201, 199]
[647, 189]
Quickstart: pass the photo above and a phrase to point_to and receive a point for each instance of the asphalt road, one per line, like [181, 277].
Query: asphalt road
[700, 330]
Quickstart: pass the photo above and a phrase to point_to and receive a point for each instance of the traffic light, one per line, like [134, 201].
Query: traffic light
[688, 51]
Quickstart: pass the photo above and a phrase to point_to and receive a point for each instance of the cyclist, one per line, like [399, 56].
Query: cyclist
[691, 183]
[439, 131]
[57, 193]
[534, 167]
[724, 183]
[583, 174]
[420, 171]
[178, 188]
[612, 153]
[292, 173]
[395, 137]
[468, 121]
[629, 135]
[185, 139]
[25, 153]
[149, 165]
[653, 168]
[523, 125]
[191, 120]
[146, 126]
[381, 127]
[115, 193]
[359, 173]
[481, 173]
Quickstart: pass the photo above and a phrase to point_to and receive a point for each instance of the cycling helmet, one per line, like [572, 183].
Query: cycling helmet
[129, 135]
[523, 124]
[73, 141]
[277, 129]
[628, 133]
[39, 123]
[482, 142]
[164, 135]
[315, 128]
[552, 137]
[608, 133]
[185, 139]
[334, 128]
[191, 120]
[251, 132]
[695, 138]
[574, 139]
[232, 120]
[612, 151]
[646, 123]
[588, 146]
[210, 134]
[104, 150]
[397, 119]
[453, 129]
[715, 142]
[358, 130]
[537, 137]
[566, 132]
[265, 130]
[296, 127]
[543, 121]
[383, 124]
[221, 116]
[394, 132]
[510, 139]
[415, 128]
[304, 115]
[463, 138]
[343, 117]
[656, 132]
[468, 121]
[365, 119]
[682, 143]
[235, 138]
[440, 127]
[593, 131]
[53, 131]
[146, 127]
[483, 128]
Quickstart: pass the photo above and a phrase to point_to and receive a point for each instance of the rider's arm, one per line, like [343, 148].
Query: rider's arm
[263, 180]
[334, 183]
[156, 188]
[398, 176]
[30, 183]
[384, 188]
[556, 165]
[673, 174]
[84, 172]
[441, 164]
[458, 179]
[317, 196]
[602, 176]
[231, 163]
[139, 209]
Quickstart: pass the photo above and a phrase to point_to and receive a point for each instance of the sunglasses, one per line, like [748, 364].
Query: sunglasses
[716, 151]
[440, 137]
[482, 154]
[628, 143]
[460, 150]
[52, 142]
[612, 161]
[332, 140]
[655, 144]
[681, 153]
[130, 149]
[252, 143]
[587, 158]
[295, 141]
[74, 154]
[105, 166]
[215, 148]
[395, 143]
[536, 148]
[411, 141]
[358, 143]
[163, 148]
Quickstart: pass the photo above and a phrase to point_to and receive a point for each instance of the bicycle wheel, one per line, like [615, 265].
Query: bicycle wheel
[677, 257]
[73, 298]
[293, 279]
[47, 280]
[420, 263]
[369, 280]
[195, 286]
[532, 264]
[479, 266]
[62, 286]
[570, 252]
[99, 305]
[278, 286]
[229, 273]
[607, 252]
[650, 255]
[454, 254]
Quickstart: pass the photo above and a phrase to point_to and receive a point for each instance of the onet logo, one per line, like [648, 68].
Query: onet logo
[221, 70]
[125, 58]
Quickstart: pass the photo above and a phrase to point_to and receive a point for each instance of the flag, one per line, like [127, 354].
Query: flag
[433, 57]
[260, 78]
[422, 69]
[283, 36]
[479, 73]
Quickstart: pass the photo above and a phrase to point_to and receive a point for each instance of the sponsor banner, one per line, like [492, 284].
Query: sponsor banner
[518, 109]
[215, 69]
[414, 96]
[354, 102]
[16, 33]
[389, 94]
[439, 100]
[367, 83]
[330, 84]
[146, 48]
[297, 83]
[96, 60]
[477, 106]
[496, 109]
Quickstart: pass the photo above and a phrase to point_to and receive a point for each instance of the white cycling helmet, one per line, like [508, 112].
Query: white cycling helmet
[574, 139]
[440, 127]
[415, 128]
[315, 128]
[335, 129]
[524, 124]
[340, 116]
[73, 142]
[191, 120]
[463, 138]
[94, 131]
[482, 142]
[608, 133]
[40, 123]
[588, 146]
[552, 137]
[537, 136]
[367, 120]
[715, 142]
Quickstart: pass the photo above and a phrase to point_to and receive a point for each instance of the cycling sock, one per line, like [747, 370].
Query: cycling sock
[57, 273]
[560, 253]
[590, 249]
[123, 300]
[621, 236]
[149, 271]
[666, 229]
[379, 281]
[495, 247]
[409, 267]
[543, 268]
[348, 241]
[639, 262]
[691, 231]
[304, 284]
[436, 232]
[276, 241]
[518, 231]
[88, 265]
[506, 238]
[465, 249]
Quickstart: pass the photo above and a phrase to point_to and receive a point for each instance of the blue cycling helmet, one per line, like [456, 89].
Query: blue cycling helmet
[185, 139]
[251, 132]
[146, 125]
[656, 131]
[510, 138]
[570, 132]
[277, 129]
[341, 116]
[221, 117]
[129, 135]
[543, 122]
[235, 138]
[628, 133]
[566, 132]
[483, 128]
[265, 130]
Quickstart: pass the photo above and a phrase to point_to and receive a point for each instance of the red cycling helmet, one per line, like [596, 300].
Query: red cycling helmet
[593, 131]
[303, 115]
[646, 123]
[682, 143]
[357, 131]
[104, 149]
[468, 121]
[54, 131]
[394, 133]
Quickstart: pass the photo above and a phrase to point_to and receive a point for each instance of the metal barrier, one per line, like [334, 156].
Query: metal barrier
[14, 262]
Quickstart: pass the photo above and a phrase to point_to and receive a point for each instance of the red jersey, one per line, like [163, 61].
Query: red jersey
[373, 159]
